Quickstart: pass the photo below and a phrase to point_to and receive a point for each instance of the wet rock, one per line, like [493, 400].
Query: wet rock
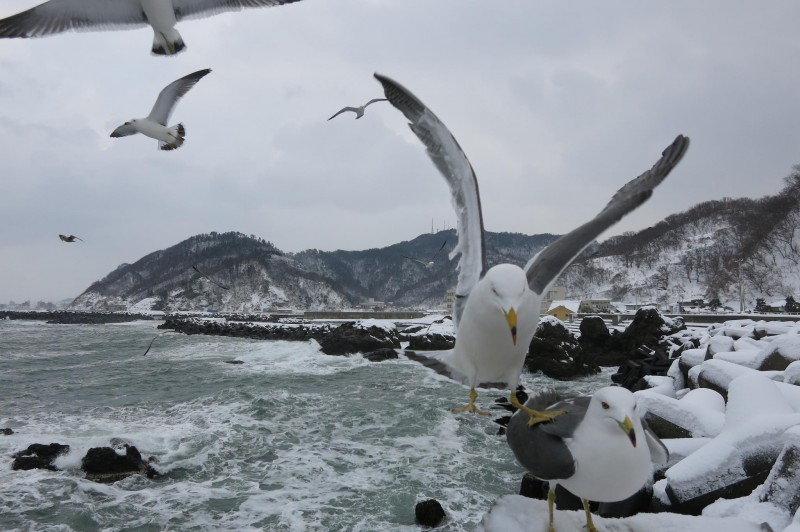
[234, 361]
[429, 513]
[555, 352]
[363, 337]
[380, 355]
[104, 464]
[38, 456]
[431, 342]
[6, 432]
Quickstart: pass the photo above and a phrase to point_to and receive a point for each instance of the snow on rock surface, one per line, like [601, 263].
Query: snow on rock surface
[693, 416]
[515, 513]
[791, 375]
[757, 417]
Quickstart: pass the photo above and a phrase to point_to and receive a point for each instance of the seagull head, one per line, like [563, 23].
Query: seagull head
[507, 285]
[617, 406]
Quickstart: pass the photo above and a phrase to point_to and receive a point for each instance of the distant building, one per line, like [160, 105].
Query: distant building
[556, 293]
[592, 306]
[372, 304]
[564, 310]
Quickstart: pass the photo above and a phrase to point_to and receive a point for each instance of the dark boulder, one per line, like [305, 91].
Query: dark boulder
[555, 352]
[6, 432]
[429, 513]
[379, 355]
[431, 342]
[353, 337]
[104, 464]
[38, 456]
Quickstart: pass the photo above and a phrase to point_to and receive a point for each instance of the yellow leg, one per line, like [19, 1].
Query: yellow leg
[470, 407]
[551, 501]
[536, 416]
[589, 523]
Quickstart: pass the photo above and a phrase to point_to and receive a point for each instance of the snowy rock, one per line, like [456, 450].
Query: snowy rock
[718, 374]
[513, 513]
[719, 344]
[691, 358]
[740, 458]
[431, 342]
[678, 377]
[364, 336]
[680, 448]
[791, 375]
[672, 418]
[782, 488]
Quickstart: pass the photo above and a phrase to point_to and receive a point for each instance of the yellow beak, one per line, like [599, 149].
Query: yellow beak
[511, 318]
[627, 428]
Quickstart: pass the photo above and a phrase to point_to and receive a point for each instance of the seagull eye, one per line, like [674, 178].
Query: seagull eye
[605, 405]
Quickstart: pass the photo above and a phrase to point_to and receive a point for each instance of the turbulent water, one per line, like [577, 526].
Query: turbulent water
[291, 439]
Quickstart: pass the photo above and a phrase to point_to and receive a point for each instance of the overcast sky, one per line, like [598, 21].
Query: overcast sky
[556, 104]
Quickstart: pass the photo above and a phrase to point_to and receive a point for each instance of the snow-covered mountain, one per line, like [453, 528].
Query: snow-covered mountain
[704, 253]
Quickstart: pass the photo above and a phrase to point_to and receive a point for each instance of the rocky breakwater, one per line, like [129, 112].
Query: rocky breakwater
[729, 412]
[74, 317]
[258, 330]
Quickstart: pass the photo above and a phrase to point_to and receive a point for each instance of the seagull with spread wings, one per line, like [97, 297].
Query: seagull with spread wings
[496, 310]
[155, 124]
[427, 263]
[57, 16]
[70, 238]
[359, 111]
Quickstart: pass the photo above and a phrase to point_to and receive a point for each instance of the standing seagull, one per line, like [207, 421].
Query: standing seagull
[599, 449]
[155, 124]
[496, 310]
[57, 16]
[70, 238]
[359, 111]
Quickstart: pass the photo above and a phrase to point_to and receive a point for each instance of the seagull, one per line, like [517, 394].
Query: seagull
[209, 278]
[595, 449]
[155, 124]
[154, 339]
[496, 310]
[427, 264]
[70, 238]
[57, 16]
[359, 111]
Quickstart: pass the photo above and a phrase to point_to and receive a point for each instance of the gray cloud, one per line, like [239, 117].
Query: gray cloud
[556, 104]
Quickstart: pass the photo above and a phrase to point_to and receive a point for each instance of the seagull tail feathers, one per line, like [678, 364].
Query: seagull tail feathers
[168, 43]
[178, 133]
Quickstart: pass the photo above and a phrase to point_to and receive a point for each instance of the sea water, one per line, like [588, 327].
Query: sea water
[291, 439]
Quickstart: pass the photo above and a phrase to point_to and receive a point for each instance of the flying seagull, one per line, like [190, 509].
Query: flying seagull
[57, 16]
[495, 311]
[209, 278]
[70, 238]
[429, 263]
[154, 339]
[155, 124]
[359, 111]
[599, 449]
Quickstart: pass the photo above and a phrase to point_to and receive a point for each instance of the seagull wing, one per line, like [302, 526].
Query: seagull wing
[374, 100]
[438, 250]
[659, 454]
[414, 259]
[169, 96]
[206, 8]
[541, 448]
[209, 278]
[446, 154]
[545, 267]
[57, 16]
[342, 110]
[124, 130]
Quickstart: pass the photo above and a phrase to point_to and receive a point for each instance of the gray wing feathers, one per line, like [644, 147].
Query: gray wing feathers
[659, 454]
[449, 158]
[550, 262]
[541, 448]
[169, 96]
[124, 130]
[57, 16]
[441, 362]
[374, 100]
[205, 8]
[344, 109]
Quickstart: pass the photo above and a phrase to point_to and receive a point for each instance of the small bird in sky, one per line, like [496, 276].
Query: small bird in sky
[429, 263]
[209, 278]
[70, 238]
[155, 124]
[359, 111]
[57, 16]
